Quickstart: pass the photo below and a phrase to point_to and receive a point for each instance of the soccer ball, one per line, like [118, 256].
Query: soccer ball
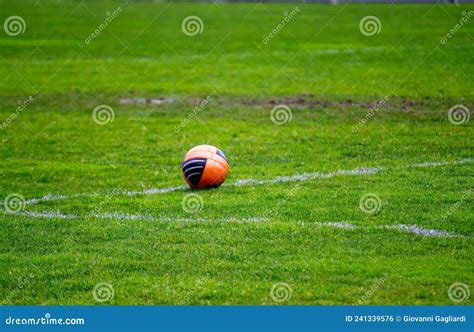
[205, 166]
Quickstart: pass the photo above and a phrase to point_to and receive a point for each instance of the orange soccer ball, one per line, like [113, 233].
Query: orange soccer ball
[205, 166]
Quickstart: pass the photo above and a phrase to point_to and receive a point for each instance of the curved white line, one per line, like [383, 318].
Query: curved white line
[414, 229]
[278, 179]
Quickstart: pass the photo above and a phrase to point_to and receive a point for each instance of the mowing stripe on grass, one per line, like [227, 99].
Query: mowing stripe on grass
[243, 182]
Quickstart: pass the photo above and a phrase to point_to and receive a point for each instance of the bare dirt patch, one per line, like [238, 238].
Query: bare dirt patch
[299, 101]
[153, 101]
[312, 101]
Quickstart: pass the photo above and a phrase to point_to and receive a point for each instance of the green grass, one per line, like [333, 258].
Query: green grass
[55, 147]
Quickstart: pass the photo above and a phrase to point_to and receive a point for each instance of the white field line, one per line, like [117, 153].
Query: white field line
[415, 229]
[280, 179]
[421, 231]
[243, 182]
[50, 215]
[131, 217]
[153, 191]
[308, 176]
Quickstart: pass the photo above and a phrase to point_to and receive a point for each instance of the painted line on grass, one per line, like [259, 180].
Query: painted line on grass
[308, 176]
[131, 217]
[414, 229]
[280, 179]
[244, 182]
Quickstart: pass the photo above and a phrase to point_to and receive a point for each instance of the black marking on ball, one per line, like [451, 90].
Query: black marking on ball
[193, 170]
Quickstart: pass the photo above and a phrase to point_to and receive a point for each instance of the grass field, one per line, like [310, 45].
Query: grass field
[369, 116]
